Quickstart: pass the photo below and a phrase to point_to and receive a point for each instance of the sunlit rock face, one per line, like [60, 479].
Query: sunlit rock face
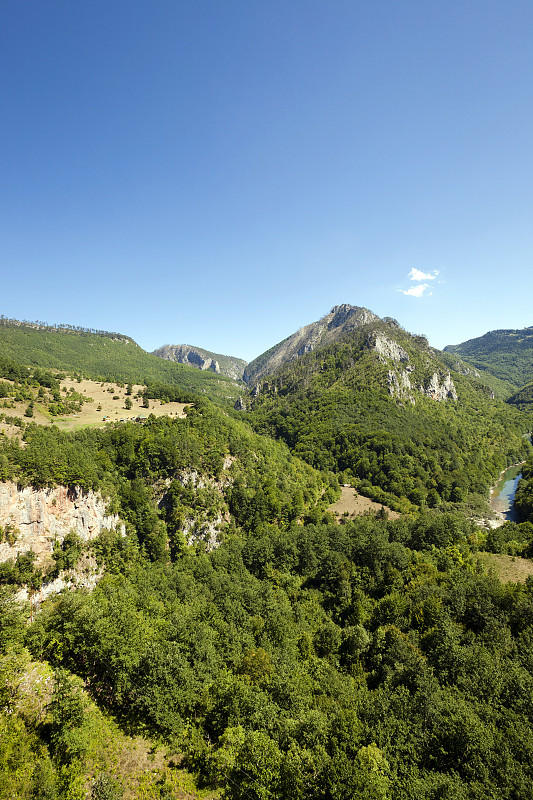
[36, 518]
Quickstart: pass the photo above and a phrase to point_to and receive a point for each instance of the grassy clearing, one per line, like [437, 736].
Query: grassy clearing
[507, 568]
[352, 504]
[104, 400]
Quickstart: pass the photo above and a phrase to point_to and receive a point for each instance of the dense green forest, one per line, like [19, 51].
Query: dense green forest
[273, 653]
[333, 408]
[252, 479]
[507, 354]
[524, 397]
[371, 659]
[106, 357]
[524, 493]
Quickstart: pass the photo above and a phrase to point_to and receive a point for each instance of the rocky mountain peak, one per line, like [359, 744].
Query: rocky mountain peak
[340, 320]
[345, 313]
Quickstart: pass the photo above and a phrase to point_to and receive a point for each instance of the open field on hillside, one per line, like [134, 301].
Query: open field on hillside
[108, 400]
[355, 504]
[507, 568]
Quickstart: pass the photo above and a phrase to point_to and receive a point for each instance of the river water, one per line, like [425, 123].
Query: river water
[502, 495]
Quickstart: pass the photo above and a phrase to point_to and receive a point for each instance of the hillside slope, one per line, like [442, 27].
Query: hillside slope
[506, 353]
[340, 320]
[104, 356]
[385, 409]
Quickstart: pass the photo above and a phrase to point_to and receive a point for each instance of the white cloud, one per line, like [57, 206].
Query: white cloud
[416, 291]
[418, 275]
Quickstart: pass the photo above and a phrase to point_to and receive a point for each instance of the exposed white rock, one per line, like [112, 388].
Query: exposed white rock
[440, 391]
[202, 359]
[400, 384]
[42, 516]
[340, 320]
[203, 526]
[388, 349]
[85, 576]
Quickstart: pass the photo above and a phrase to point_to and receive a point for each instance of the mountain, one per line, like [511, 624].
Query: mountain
[100, 355]
[202, 359]
[340, 320]
[506, 353]
[219, 627]
[371, 401]
[523, 397]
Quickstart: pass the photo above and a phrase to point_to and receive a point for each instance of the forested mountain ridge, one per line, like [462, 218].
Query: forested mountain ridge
[341, 320]
[524, 396]
[297, 659]
[386, 409]
[505, 353]
[104, 356]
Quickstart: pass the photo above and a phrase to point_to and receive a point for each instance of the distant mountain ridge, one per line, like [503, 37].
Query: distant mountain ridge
[100, 355]
[229, 366]
[506, 353]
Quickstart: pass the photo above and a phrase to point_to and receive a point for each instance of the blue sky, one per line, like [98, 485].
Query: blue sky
[222, 173]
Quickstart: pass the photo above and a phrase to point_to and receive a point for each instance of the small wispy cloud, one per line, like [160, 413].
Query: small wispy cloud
[417, 291]
[418, 275]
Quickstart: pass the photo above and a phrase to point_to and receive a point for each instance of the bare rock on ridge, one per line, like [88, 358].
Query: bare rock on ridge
[202, 359]
[340, 320]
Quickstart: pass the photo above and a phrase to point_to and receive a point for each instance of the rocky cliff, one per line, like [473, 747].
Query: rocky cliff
[402, 378]
[36, 518]
[202, 359]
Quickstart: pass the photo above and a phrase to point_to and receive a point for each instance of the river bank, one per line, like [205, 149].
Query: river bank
[502, 495]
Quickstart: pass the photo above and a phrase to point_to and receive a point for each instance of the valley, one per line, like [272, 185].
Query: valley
[273, 588]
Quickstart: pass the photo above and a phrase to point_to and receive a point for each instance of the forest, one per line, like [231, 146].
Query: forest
[266, 650]
[105, 357]
[372, 659]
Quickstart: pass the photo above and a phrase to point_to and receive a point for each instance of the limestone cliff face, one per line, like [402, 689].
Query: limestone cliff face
[39, 517]
[340, 320]
[402, 378]
[210, 515]
[387, 348]
[202, 359]
[185, 354]
[405, 380]
[440, 387]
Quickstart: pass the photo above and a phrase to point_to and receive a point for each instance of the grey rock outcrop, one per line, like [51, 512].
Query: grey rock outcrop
[206, 524]
[202, 359]
[388, 348]
[400, 384]
[437, 390]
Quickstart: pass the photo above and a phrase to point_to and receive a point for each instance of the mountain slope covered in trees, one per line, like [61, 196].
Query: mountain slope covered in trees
[384, 409]
[106, 357]
[273, 654]
[507, 354]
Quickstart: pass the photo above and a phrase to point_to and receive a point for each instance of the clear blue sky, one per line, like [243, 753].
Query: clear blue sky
[222, 173]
